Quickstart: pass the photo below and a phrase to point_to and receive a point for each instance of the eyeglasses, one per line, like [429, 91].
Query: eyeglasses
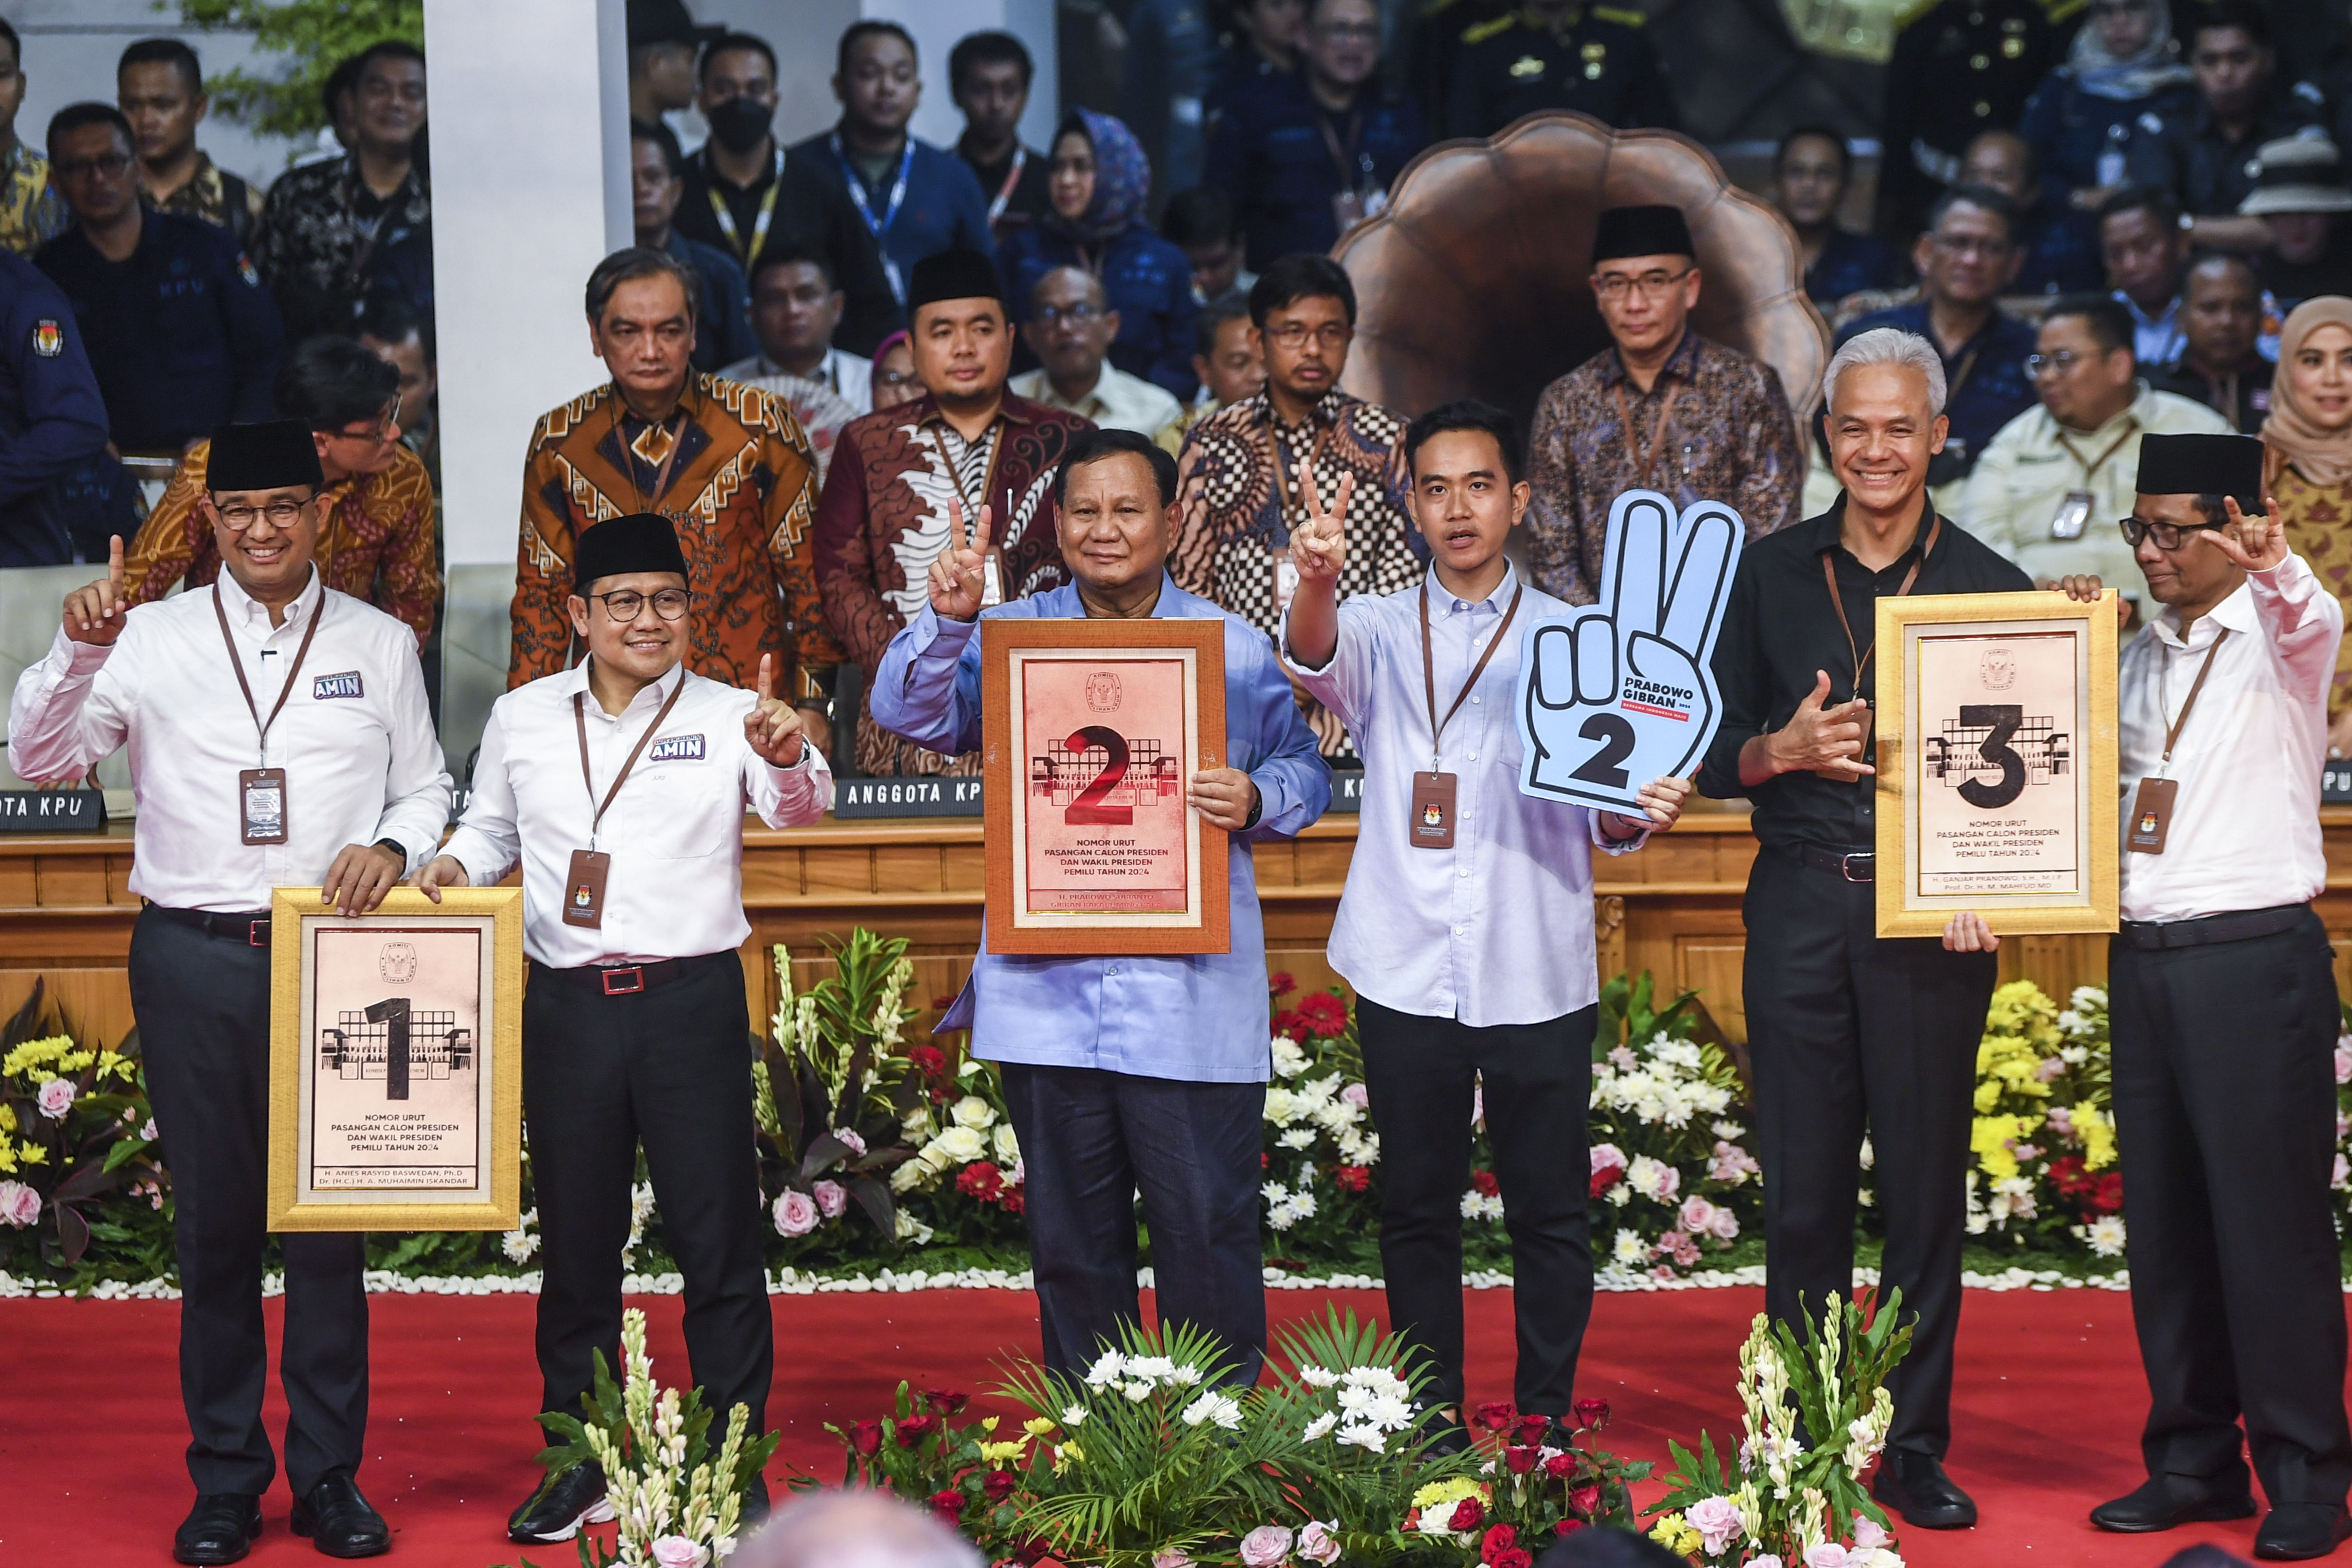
[2060, 363]
[1971, 245]
[625, 604]
[113, 165]
[1083, 314]
[381, 431]
[2169, 537]
[1294, 334]
[1614, 286]
[281, 513]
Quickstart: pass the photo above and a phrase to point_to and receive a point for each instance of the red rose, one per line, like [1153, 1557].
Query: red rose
[1568, 1527]
[1516, 1557]
[915, 1428]
[1592, 1414]
[1280, 983]
[1559, 1466]
[1519, 1461]
[865, 1436]
[949, 1505]
[1604, 1178]
[1585, 1500]
[999, 1485]
[1484, 1181]
[1495, 1414]
[1011, 1201]
[1532, 1428]
[1264, 1161]
[1352, 1178]
[944, 1403]
[1500, 1538]
[1032, 1551]
[1468, 1514]
[928, 1059]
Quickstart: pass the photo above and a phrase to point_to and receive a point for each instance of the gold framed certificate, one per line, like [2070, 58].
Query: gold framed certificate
[395, 1094]
[1091, 731]
[1996, 783]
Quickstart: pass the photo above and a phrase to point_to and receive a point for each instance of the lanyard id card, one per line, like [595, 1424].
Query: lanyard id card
[1286, 580]
[2151, 812]
[583, 888]
[991, 581]
[261, 802]
[2073, 513]
[261, 788]
[584, 882]
[1432, 810]
[1431, 826]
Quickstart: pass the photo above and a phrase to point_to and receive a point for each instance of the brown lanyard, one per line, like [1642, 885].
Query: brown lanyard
[1648, 458]
[1429, 667]
[1346, 159]
[2131, 428]
[2164, 766]
[1829, 575]
[995, 439]
[579, 722]
[1967, 368]
[261, 726]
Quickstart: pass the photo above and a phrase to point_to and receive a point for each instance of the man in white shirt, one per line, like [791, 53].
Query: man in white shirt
[795, 306]
[1470, 950]
[2224, 1013]
[279, 736]
[634, 1019]
[1070, 329]
[2051, 483]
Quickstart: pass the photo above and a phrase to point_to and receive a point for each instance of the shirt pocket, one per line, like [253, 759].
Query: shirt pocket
[675, 810]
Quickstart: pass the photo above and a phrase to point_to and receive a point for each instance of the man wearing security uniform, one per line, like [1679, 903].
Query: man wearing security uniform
[2223, 1006]
[279, 736]
[620, 786]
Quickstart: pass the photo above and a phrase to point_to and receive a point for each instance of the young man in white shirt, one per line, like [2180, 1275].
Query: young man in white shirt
[1471, 950]
[2223, 1006]
[620, 785]
[279, 736]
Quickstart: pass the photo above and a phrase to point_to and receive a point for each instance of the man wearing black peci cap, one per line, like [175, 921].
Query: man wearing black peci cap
[2223, 1007]
[620, 786]
[279, 736]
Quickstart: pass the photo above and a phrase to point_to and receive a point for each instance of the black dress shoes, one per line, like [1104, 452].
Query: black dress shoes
[754, 1512]
[219, 1529]
[2163, 1502]
[2294, 1532]
[1915, 1485]
[339, 1521]
[561, 1506]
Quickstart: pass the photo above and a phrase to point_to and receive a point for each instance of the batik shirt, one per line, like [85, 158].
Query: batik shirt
[884, 520]
[1239, 495]
[740, 487]
[217, 197]
[1728, 437]
[32, 213]
[375, 544]
[319, 229]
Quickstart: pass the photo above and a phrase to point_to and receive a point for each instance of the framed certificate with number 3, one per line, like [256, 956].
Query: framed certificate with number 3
[1995, 784]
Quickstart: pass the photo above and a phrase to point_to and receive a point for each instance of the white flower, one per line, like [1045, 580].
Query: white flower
[1281, 1105]
[1184, 1376]
[1869, 1156]
[1150, 1367]
[973, 1112]
[517, 1245]
[910, 1228]
[147, 1130]
[1369, 1437]
[1655, 1180]
[1477, 1205]
[55, 1097]
[1731, 1130]
[1008, 1146]
[1317, 1376]
[677, 1552]
[1316, 1542]
[1620, 1194]
[1073, 1417]
[2343, 1172]
[1297, 1138]
[1628, 1248]
[2106, 1235]
[1289, 1061]
[962, 1145]
[1221, 1409]
[1320, 1427]
[1105, 1369]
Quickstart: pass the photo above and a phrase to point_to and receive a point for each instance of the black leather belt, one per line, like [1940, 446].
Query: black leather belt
[250, 927]
[618, 980]
[1856, 865]
[2238, 925]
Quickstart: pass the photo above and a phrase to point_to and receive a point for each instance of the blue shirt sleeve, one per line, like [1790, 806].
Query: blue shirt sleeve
[926, 688]
[50, 411]
[257, 337]
[1294, 782]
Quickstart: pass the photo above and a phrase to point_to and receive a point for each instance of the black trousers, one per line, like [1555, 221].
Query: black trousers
[1421, 1073]
[1090, 1140]
[2225, 1117]
[1846, 1031]
[203, 1005]
[670, 1067]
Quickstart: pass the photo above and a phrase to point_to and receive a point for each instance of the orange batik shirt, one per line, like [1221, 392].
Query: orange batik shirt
[740, 487]
[375, 544]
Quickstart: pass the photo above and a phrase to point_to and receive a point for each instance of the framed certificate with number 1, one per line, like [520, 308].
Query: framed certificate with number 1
[1996, 783]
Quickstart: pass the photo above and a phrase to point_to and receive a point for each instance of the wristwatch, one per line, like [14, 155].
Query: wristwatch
[394, 846]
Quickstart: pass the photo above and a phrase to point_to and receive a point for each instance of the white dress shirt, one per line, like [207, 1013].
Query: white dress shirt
[675, 831]
[2245, 832]
[355, 738]
[1116, 402]
[1499, 928]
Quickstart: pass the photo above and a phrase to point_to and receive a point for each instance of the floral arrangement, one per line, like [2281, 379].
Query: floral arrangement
[1782, 1504]
[1320, 1150]
[677, 1502]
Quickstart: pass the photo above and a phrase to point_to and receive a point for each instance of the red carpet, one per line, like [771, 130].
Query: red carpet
[91, 1435]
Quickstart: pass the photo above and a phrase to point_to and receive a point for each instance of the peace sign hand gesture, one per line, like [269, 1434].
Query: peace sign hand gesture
[1620, 693]
[95, 614]
[1319, 548]
[2256, 543]
[956, 574]
[772, 727]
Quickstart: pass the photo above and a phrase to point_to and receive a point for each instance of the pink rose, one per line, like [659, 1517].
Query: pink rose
[1265, 1547]
[1606, 1157]
[832, 1197]
[1171, 1558]
[1356, 1095]
[796, 1213]
[1869, 1535]
[1317, 1543]
[55, 1098]
[1717, 1520]
[1828, 1554]
[1698, 1216]
[677, 1552]
[2344, 1058]
[851, 1140]
[20, 1205]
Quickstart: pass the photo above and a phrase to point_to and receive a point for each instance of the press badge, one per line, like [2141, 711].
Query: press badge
[583, 888]
[991, 583]
[1432, 827]
[2073, 513]
[2151, 816]
[1285, 581]
[261, 796]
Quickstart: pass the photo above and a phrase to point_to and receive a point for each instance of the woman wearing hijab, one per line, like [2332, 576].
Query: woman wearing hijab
[2307, 440]
[2122, 74]
[895, 380]
[1097, 181]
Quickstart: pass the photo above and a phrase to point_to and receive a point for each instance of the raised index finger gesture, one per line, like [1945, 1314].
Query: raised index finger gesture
[94, 614]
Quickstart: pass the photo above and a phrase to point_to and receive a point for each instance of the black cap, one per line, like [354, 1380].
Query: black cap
[268, 457]
[1641, 231]
[666, 22]
[952, 275]
[642, 541]
[2200, 466]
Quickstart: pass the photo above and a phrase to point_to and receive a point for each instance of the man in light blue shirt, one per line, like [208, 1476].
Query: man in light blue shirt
[1466, 926]
[1128, 1072]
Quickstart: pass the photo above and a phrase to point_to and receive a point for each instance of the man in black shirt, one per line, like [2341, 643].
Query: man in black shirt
[1848, 1031]
[989, 76]
[2204, 153]
[2220, 366]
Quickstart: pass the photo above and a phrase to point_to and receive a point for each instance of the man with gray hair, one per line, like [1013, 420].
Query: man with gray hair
[1850, 1032]
[855, 1530]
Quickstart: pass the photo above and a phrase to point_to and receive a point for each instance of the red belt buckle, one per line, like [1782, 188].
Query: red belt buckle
[637, 979]
[257, 933]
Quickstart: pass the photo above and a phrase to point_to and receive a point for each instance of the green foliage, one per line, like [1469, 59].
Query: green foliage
[1628, 1013]
[315, 34]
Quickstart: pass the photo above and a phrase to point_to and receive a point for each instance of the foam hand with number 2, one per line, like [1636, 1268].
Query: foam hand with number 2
[1616, 694]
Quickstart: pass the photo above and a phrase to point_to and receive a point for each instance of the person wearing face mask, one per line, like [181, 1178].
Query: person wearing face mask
[2307, 467]
[1098, 182]
[2120, 76]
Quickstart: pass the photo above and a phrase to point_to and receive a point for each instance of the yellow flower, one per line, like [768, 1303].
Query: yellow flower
[8, 1157]
[2098, 1130]
[32, 1154]
[1669, 1529]
[1440, 1494]
[1037, 1426]
[34, 1054]
[1065, 1456]
[988, 1423]
[1002, 1453]
[7, 1117]
[1989, 1138]
[1687, 1544]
